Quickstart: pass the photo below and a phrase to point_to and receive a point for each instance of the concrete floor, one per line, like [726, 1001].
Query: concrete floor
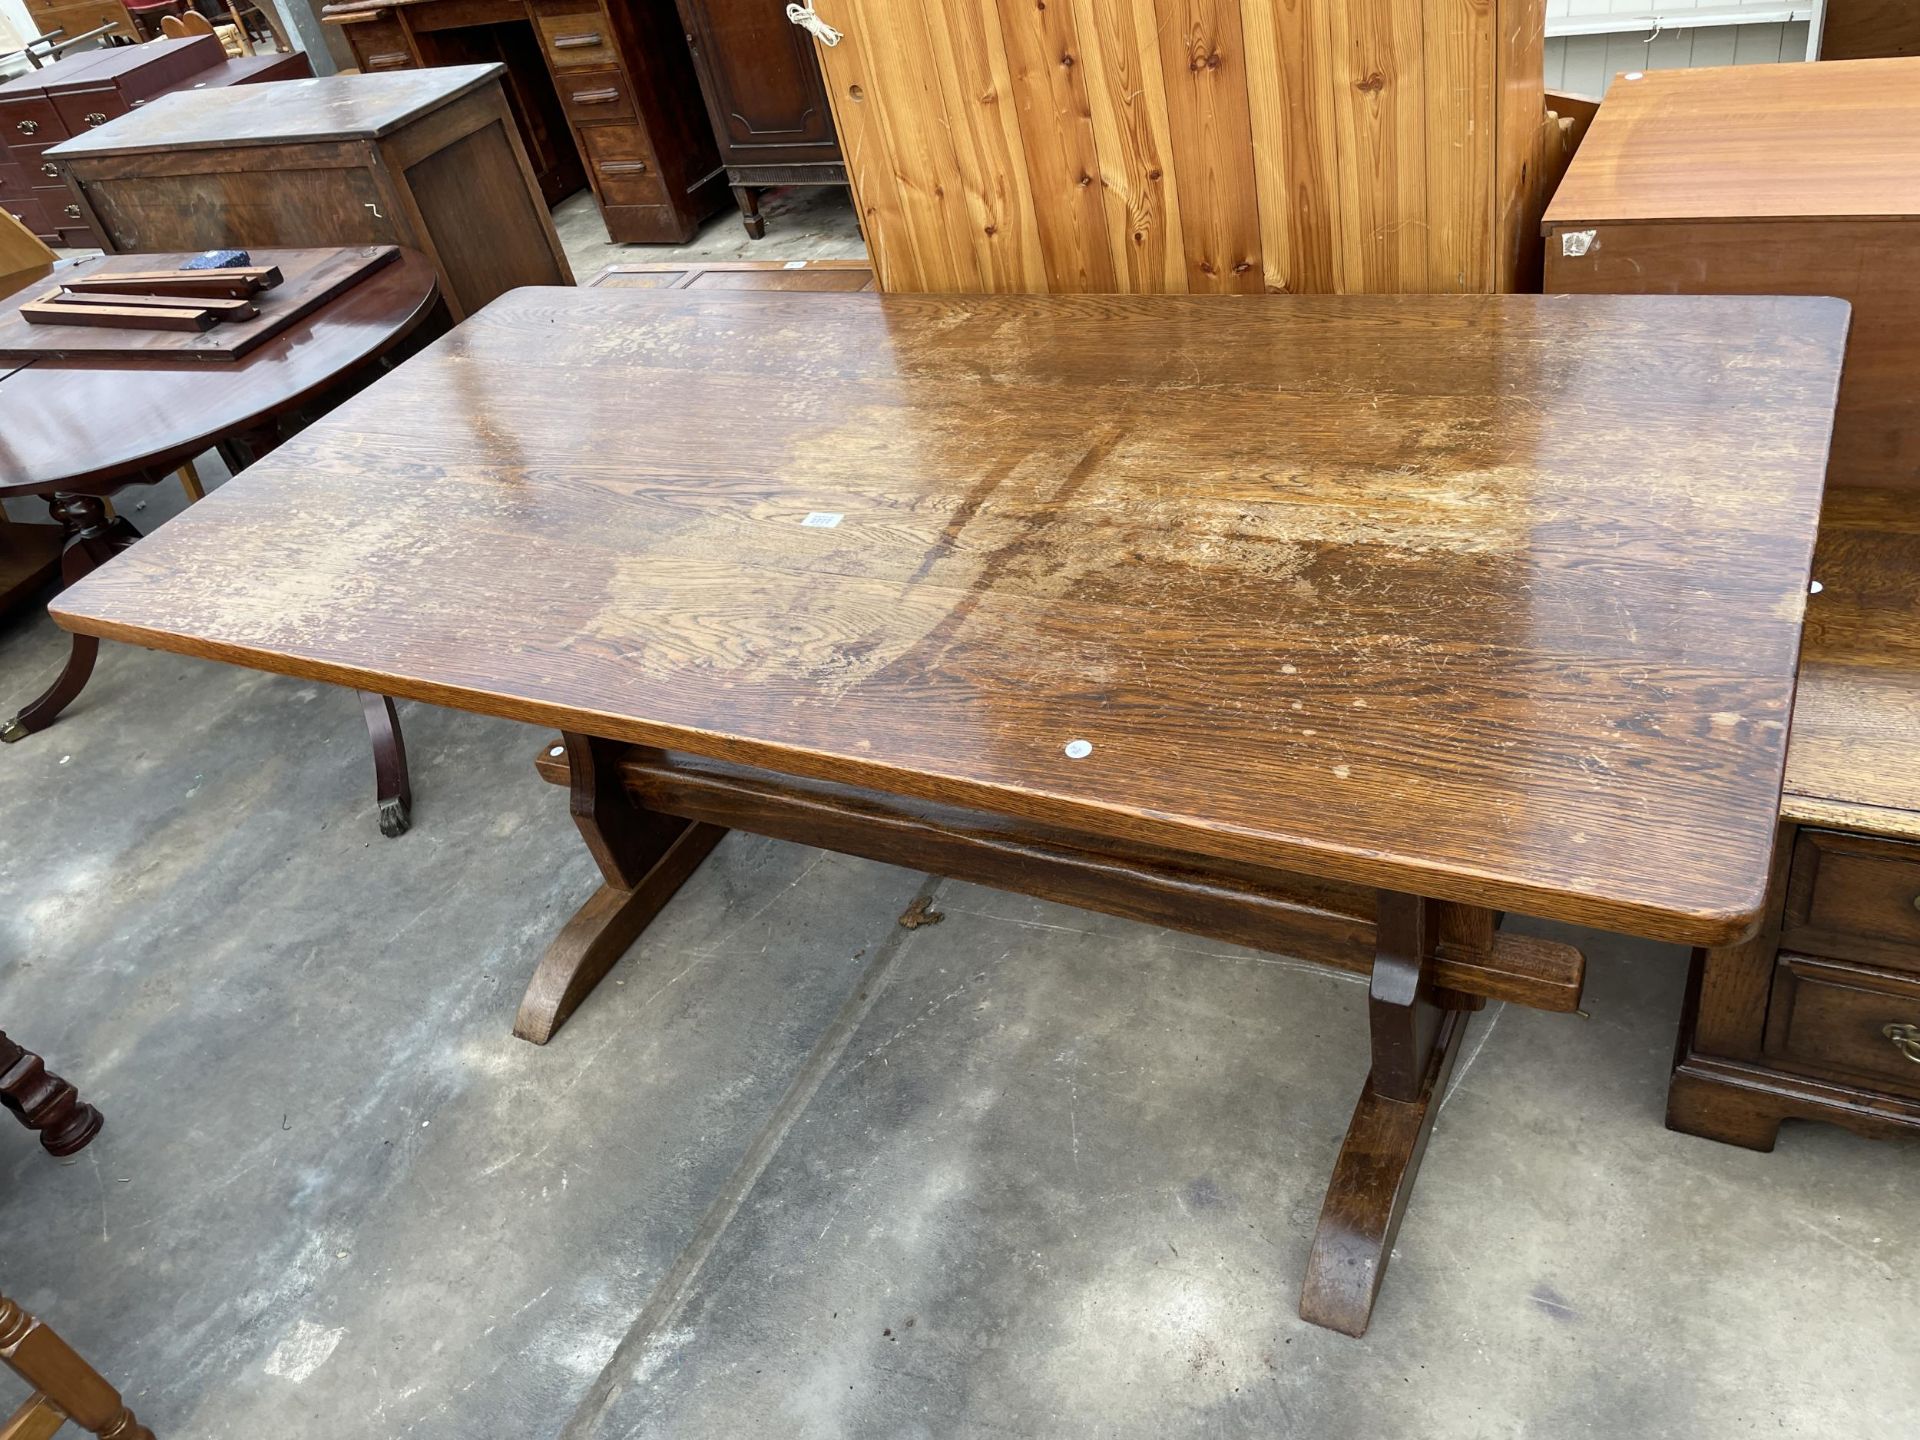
[797, 1171]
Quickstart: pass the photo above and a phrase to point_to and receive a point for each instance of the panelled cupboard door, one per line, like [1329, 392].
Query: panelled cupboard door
[1191, 146]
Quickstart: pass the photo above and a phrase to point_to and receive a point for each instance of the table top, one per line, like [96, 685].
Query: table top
[1854, 761]
[1494, 599]
[90, 425]
[280, 112]
[1840, 139]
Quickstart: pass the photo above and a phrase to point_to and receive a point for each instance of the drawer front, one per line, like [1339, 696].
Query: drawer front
[14, 182]
[31, 120]
[1854, 897]
[624, 172]
[590, 95]
[576, 37]
[32, 214]
[42, 173]
[1847, 1020]
[84, 110]
[380, 45]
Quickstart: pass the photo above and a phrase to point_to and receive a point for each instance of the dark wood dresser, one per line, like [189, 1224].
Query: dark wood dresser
[1818, 1016]
[603, 91]
[429, 160]
[69, 97]
[766, 98]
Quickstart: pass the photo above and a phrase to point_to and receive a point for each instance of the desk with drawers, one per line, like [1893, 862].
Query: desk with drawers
[604, 85]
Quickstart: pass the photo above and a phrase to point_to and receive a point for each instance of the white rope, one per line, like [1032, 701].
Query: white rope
[804, 17]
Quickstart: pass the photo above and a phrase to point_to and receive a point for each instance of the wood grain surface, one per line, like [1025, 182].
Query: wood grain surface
[1203, 146]
[1413, 592]
[312, 279]
[1855, 759]
[165, 410]
[1826, 141]
[330, 107]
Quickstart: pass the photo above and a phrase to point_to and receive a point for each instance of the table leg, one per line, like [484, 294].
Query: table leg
[92, 539]
[42, 1101]
[1416, 1032]
[644, 857]
[391, 786]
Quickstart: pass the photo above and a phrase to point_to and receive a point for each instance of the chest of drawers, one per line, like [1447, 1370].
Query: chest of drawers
[79, 93]
[1818, 1016]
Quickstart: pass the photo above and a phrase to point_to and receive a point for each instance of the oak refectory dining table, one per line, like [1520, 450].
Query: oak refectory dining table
[1333, 626]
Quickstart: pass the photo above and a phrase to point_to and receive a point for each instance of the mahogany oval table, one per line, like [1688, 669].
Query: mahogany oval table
[75, 431]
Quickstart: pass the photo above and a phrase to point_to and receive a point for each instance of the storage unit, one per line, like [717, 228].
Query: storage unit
[82, 92]
[766, 98]
[1192, 145]
[427, 159]
[1767, 179]
[1818, 1016]
[603, 89]
[1869, 29]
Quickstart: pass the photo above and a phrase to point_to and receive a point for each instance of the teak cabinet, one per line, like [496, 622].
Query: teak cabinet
[765, 96]
[429, 160]
[1767, 179]
[601, 89]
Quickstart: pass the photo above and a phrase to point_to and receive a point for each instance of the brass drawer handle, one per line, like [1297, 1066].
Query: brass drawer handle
[49, 168]
[623, 167]
[1916, 902]
[74, 211]
[28, 127]
[96, 117]
[588, 41]
[595, 97]
[1906, 1039]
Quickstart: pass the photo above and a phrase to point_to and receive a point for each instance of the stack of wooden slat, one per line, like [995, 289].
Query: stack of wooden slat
[1193, 145]
[155, 299]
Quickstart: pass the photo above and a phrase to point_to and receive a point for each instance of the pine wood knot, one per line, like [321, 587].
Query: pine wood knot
[1067, 61]
[1243, 267]
[1208, 61]
[991, 231]
[1373, 83]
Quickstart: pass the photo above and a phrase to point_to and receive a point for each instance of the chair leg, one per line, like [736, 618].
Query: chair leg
[190, 482]
[66, 1385]
[391, 785]
[42, 1101]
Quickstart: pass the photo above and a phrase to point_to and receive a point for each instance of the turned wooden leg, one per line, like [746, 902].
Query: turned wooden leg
[93, 538]
[42, 1101]
[747, 197]
[391, 786]
[644, 857]
[65, 1386]
[1416, 1030]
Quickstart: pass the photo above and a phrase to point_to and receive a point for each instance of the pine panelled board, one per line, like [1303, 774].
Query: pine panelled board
[1310, 146]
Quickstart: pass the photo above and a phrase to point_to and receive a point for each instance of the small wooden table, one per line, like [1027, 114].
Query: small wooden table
[1334, 626]
[74, 432]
